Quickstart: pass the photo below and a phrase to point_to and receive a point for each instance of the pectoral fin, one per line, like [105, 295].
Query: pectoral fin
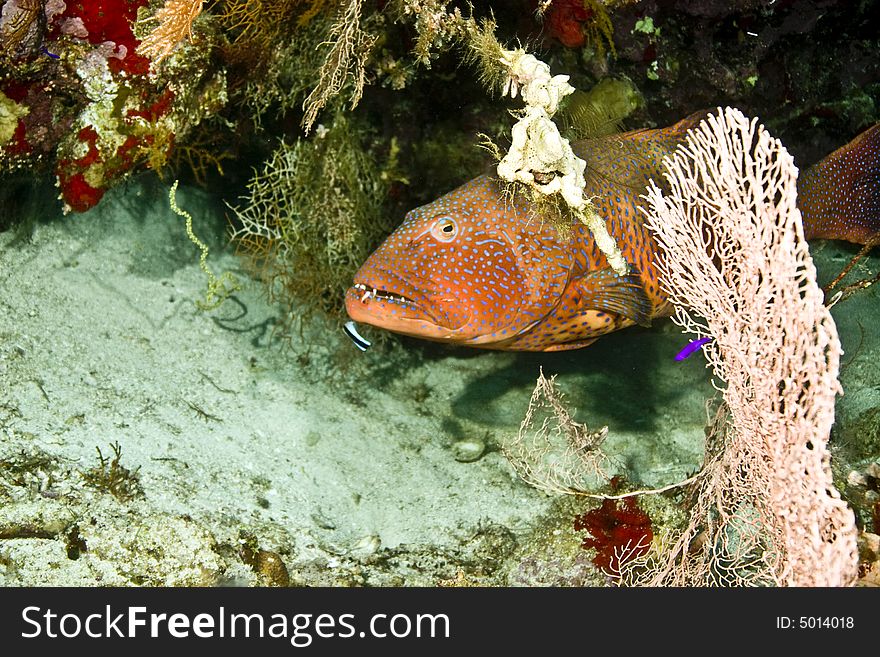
[605, 291]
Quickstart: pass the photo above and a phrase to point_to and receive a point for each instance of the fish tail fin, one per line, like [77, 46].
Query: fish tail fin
[839, 197]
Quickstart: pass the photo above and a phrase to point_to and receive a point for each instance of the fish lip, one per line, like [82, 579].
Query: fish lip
[365, 293]
[361, 293]
[413, 321]
[379, 287]
[361, 296]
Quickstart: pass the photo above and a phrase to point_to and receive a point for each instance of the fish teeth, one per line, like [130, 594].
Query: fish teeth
[367, 294]
[373, 293]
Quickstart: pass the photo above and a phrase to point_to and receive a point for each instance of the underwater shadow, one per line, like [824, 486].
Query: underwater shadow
[620, 378]
[27, 200]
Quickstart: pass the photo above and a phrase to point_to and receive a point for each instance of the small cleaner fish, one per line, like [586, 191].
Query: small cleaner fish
[475, 268]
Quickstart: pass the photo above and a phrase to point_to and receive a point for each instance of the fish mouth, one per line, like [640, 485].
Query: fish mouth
[367, 294]
[393, 311]
[379, 306]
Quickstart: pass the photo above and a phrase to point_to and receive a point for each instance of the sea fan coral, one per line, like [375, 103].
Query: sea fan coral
[737, 268]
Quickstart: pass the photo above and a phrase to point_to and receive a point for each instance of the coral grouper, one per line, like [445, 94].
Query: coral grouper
[475, 268]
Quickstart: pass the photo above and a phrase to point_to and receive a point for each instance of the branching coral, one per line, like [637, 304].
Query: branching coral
[350, 46]
[112, 477]
[21, 25]
[260, 23]
[312, 215]
[175, 20]
[279, 50]
[438, 27]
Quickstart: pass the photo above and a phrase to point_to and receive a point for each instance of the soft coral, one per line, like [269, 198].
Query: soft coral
[565, 20]
[618, 533]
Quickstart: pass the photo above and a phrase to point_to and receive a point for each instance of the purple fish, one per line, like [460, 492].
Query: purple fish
[691, 347]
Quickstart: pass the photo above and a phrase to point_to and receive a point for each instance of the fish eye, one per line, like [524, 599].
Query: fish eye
[444, 229]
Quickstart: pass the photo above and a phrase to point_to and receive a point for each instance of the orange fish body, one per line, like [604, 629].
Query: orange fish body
[476, 269]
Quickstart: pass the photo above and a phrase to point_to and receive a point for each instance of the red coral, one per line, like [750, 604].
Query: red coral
[129, 146]
[79, 194]
[157, 109]
[565, 19]
[88, 136]
[112, 20]
[76, 192]
[616, 532]
[18, 145]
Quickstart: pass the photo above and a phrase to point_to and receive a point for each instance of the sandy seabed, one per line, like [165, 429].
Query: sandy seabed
[146, 442]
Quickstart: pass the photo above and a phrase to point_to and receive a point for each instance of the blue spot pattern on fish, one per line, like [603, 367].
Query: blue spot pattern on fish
[477, 269]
